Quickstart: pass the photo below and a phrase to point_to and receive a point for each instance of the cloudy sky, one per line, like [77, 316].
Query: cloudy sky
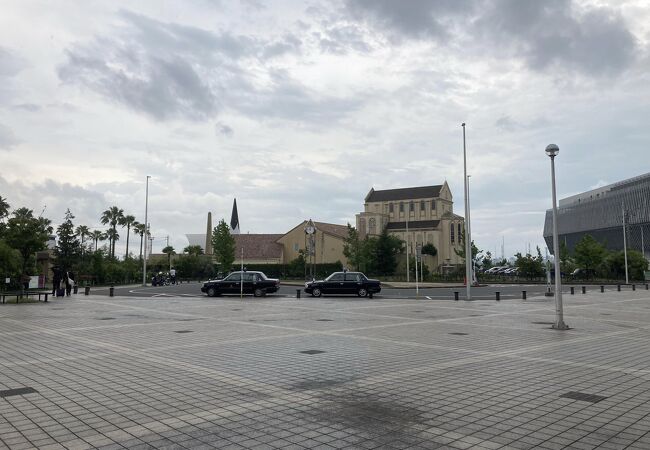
[298, 108]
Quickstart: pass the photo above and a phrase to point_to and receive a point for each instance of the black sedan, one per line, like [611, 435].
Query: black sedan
[343, 283]
[255, 283]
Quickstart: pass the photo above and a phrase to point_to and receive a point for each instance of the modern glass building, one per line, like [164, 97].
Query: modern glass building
[599, 212]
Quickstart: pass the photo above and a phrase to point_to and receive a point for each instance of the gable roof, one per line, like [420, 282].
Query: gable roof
[258, 246]
[338, 231]
[403, 193]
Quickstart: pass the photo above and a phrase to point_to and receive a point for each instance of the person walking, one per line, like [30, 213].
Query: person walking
[56, 280]
[69, 283]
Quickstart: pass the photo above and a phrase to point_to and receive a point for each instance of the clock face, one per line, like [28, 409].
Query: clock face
[310, 230]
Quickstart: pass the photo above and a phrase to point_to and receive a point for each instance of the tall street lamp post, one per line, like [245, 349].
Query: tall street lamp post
[468, 236]
[146, 232]
[552, 150]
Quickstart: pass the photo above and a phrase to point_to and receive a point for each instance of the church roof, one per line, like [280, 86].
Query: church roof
[403, 193]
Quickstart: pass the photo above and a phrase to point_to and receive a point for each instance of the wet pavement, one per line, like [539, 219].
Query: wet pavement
[198, 372]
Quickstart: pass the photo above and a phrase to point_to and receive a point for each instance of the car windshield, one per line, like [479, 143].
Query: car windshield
[236, 276]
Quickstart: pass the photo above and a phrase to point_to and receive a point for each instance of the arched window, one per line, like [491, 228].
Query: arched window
[372, 226]
[452, 233]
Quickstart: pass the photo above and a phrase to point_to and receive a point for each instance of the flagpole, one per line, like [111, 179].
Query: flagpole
[241, 278]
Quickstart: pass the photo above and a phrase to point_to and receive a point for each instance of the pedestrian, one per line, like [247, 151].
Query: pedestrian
[172, 274]
[68, 284]
[56, 280]
[71, 282]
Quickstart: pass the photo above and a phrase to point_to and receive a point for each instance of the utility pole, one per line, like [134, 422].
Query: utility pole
[146, 233]
[627, 279]
[468, 236]
[408, 270]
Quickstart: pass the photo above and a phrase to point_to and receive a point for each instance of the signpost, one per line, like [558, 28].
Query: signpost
[310, 231]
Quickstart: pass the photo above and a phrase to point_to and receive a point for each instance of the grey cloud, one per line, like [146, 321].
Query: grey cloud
[554, 33]
[342, 38]
[10, 64]
[221, 129]
[288, 44]
[31, 107]
[172, 71]
[164, 88]
[8, 139]
[412, 19]
[506, 123]
[545, 34]
[286, 98]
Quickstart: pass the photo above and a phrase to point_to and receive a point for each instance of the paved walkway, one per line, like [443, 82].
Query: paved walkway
[269, 373]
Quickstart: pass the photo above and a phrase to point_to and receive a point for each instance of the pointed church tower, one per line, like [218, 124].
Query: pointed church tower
[208, 236]
[234, 219]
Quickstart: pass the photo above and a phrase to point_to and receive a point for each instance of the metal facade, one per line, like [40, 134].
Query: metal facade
[600, 213]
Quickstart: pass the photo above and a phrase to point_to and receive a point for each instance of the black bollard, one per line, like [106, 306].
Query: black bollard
[634, 287]
[111, 291]
[87, 290]
[370, 294]
[456, 295]
[523, 295]
[572, 290]
[584, 289]
[602, 289]
[498, 294]
[75, 289]
[298, 293]
[618, 287]
[646, 286]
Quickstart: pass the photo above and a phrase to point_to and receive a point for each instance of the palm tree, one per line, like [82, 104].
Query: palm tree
[170, 251]
[112, 216]
[112, 236]
[4, 208]
[193, 250]
[127, 221]
[138, 228]
[83, 232]
[96, 235]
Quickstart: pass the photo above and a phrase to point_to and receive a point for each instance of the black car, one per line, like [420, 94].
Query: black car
[343, 283]
[255, 283]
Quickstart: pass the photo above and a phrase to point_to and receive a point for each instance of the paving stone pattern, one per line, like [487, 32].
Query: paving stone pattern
[97, 372]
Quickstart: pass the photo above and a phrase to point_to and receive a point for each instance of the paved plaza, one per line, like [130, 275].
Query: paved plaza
[85, 372]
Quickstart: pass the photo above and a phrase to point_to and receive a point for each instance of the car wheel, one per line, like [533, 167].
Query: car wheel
[258, 292]
[362, 293]
[316, 292]
[212, 292]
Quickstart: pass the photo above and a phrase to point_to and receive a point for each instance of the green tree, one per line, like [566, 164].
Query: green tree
[223, 245]
[589, 254]
[28, 235]
[169, 251]
[429, 249]
[388, 247]
[112, 216]
[68, 248]
[530, 266]
[96, 235]
[353, 248]
[10, 264]
[127, 221]
[139, 229]
[193, 250]
[614, 265]
[112, 236]
[4, 213]
[486, 263]
[82, 232]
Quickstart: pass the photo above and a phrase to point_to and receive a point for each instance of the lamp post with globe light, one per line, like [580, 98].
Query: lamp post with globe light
[552, 151]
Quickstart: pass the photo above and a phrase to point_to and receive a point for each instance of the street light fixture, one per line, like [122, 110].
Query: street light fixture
[552, 151]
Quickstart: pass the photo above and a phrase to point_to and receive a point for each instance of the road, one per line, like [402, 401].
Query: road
[508, 291]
